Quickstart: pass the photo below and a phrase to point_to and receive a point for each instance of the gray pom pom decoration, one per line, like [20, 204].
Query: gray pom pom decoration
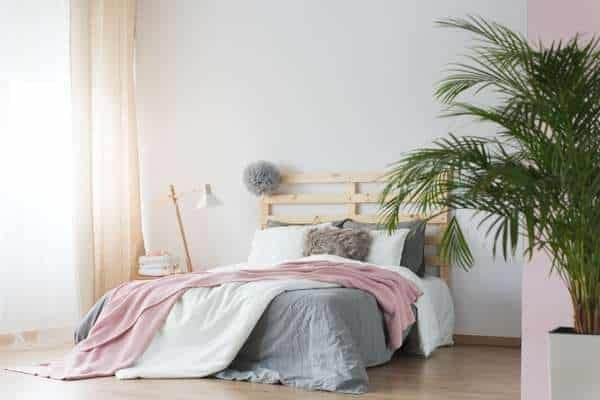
[262, 177]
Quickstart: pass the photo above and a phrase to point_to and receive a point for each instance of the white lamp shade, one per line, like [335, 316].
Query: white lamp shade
[208, 199]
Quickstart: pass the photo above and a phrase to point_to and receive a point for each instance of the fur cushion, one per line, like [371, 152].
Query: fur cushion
[348, 243]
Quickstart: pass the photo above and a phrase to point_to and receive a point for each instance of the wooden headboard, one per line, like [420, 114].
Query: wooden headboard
[352, 198]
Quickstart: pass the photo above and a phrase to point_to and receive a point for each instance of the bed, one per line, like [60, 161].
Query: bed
[311, 337]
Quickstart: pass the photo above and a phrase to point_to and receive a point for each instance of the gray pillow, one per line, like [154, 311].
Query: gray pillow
[276, 224]
[348, 243]
[413, 254]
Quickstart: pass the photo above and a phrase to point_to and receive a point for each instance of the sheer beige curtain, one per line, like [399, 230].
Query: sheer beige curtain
[108, 232]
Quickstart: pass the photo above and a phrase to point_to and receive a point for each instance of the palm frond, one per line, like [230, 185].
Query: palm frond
[454, 248]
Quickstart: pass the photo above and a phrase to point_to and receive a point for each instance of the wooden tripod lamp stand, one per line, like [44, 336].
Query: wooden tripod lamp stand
[207, 200]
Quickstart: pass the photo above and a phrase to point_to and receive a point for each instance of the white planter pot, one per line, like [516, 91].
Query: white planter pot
[574, 366]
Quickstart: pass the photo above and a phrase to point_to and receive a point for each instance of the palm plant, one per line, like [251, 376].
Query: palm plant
[538, 178]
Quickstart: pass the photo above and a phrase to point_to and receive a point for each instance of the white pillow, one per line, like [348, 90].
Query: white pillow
[387, 249]
[275, 245]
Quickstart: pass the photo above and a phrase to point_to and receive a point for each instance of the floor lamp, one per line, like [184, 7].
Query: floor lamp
[207, 200]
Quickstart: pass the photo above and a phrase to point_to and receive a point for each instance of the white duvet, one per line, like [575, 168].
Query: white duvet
[207, 327]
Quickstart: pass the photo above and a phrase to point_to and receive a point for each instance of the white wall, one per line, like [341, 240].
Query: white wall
[312, 85]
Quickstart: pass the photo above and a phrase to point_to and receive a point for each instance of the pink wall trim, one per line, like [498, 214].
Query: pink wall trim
[546, 303]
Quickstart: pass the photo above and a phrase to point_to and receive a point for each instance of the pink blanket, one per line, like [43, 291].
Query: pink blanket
[136, 310]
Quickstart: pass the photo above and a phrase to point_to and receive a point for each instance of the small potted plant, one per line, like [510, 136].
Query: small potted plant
[536, 181]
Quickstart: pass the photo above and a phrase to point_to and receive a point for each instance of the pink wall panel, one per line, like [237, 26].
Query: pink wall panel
[558, 19]
[546, 303]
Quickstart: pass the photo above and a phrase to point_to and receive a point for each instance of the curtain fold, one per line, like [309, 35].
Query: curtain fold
[107, 205]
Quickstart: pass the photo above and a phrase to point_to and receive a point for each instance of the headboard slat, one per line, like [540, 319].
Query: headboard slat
[366, 218]
[323, 198]
[334, 178]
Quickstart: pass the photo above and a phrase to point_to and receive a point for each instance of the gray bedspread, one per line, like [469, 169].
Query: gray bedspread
[313, 339]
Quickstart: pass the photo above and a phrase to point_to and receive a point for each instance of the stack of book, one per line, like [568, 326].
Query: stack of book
[159, 265]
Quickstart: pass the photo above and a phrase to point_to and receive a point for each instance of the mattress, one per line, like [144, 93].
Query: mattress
[443, 306]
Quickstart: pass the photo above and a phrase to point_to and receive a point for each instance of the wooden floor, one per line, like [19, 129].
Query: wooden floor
[457, 373]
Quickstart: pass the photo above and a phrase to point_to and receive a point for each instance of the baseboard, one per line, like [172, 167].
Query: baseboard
[497, 341]
[47, 338]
